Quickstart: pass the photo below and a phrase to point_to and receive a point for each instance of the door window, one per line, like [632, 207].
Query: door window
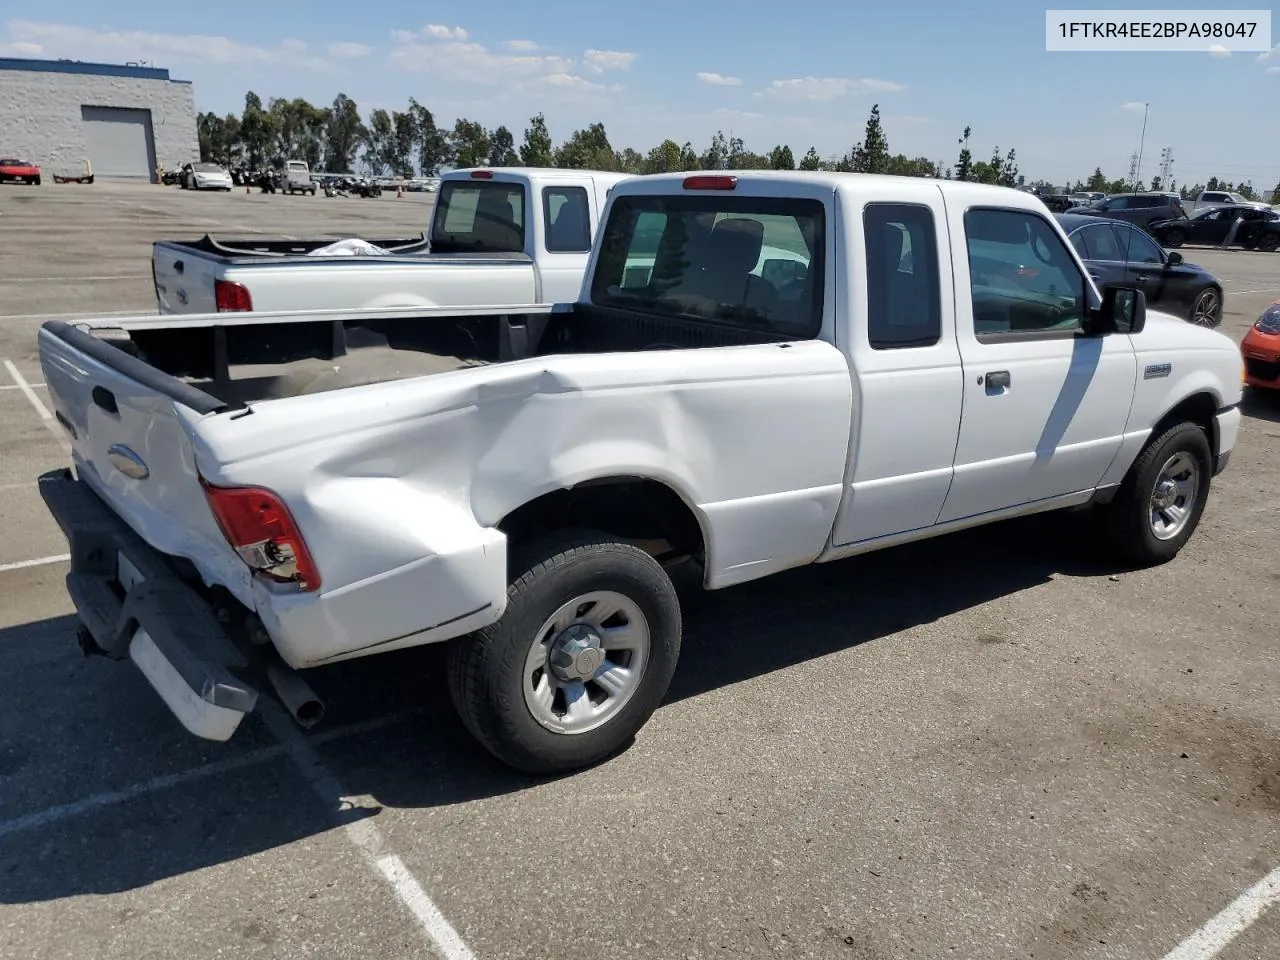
[566, 219]
[1024, 280]
[1101, 243]
[1137, 247]
[903, 298]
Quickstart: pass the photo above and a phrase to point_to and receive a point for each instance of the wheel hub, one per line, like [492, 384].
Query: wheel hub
[1165, 495]
[576, 653]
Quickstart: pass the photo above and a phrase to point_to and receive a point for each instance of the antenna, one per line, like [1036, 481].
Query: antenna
[1141, 140]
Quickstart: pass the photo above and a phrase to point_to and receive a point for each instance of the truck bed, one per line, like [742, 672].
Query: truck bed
[235, 249]
[219, 362]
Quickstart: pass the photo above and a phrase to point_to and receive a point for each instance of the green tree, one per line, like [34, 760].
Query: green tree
[1009, 169]
[400, 146]
[811, 160]
[716, 156]
[964, 165]
[1097, 181]
[630, 160]
[257, 131]
[1275, 194]
[587, 149]
[380, 132]
[344, 131]
[432, 145]
[872, 154]
[470, 143]
[536, 149]
[502, 149]
[666, 157]
[781, 158]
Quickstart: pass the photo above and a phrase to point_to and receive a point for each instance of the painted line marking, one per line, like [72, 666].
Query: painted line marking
[25, 387]
[42, 818]
[131, 276]
[1214, 936]
[366, 837]
[1242, 293]
[39, 562]
[18, 386]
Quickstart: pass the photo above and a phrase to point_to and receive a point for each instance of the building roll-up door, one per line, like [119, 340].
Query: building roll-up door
[120, 141]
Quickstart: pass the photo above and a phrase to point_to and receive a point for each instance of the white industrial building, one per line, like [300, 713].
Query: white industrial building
[121, 120]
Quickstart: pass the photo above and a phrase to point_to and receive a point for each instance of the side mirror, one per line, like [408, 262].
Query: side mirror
[1123, 310]
[1175, 258]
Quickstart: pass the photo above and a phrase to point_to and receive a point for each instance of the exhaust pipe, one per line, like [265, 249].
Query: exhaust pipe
[297, 696]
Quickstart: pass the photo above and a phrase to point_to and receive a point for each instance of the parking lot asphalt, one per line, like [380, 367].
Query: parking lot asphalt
[983, 746]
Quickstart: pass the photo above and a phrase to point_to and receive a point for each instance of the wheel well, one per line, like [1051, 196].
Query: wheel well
[1200, 409]
[642, 511]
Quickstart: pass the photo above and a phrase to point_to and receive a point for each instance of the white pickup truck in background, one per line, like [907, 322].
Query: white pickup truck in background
[252, 495]
[509, 235]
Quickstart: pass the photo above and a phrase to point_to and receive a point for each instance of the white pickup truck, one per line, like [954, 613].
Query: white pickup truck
[253, 495]
[509, 235]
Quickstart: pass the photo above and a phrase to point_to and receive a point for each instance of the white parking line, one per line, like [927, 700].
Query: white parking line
[40, 562]
[42, 818]
[73, 316]
[1211, 939]
[1241, 293]
[21, 382]
[18, 386]
[366, 837]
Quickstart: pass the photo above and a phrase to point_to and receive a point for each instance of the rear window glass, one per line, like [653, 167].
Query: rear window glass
[746, 261]
[479, 217]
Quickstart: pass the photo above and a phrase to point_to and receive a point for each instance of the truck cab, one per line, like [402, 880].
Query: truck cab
[549, 215]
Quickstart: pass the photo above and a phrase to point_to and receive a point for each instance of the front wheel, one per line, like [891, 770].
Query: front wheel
[1207, 309]
[1174, 238]
[1268, 242]
[579, 661]
[1159, 504]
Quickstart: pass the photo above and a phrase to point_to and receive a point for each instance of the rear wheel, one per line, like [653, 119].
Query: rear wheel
[1174, 238]
[1159, 504]
[1206, 311]
[579, 661]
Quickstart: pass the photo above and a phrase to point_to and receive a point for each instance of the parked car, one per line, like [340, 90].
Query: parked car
[1221, 198]
[505, 236]
[1118, 252]
[1138, 208]
[1260, 350]
[13, 170]
[205, 176]
[1086, 197]
[255, 495]
[1259, 231]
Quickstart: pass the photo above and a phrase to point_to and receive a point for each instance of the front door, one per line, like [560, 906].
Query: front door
[1045, 405]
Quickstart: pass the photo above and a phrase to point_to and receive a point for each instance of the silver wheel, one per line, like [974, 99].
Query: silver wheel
[586, 662]
[1173, 498]
[1207, 311]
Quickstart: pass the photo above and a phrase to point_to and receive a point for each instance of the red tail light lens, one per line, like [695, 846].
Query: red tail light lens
[232, 297]
[710, 183]
[260, 528]
[481, 174]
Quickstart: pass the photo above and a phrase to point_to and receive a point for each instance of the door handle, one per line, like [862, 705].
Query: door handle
[997, 379]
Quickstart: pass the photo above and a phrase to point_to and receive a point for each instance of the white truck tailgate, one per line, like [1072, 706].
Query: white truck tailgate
[184, 281]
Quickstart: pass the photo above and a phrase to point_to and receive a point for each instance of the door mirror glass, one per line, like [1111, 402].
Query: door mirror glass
[1123, 310]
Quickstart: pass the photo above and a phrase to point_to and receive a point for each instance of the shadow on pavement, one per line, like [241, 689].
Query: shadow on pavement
[76, 727]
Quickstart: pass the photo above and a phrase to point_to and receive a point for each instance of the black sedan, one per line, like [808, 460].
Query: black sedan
[1117, 252]
[1259, 231]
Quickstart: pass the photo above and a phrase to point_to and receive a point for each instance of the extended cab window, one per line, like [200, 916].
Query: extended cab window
[749, 261]
[566, 219]
[903, 298]
[478, 216]
[1024, 280]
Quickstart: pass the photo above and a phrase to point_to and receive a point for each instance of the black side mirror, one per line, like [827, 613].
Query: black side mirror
[1123, 310]
[1175, 258]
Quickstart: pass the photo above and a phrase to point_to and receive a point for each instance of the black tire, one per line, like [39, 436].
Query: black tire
[36, 181]
[1127, 519]
[1268, 242]
[486, 669]
[1174, 238]
[1206, 309]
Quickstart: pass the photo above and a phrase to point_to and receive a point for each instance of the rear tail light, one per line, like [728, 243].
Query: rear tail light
[710, 183]
[231, 297]
[260, 528]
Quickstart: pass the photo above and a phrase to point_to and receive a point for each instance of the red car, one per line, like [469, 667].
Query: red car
[18, 171]
[1261, 350]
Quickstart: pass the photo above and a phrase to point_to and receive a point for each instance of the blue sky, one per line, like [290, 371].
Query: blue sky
[683, 70]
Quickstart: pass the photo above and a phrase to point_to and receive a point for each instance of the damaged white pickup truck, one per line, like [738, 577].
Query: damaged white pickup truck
[765, 370]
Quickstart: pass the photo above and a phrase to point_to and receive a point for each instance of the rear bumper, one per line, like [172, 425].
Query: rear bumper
[133, 604]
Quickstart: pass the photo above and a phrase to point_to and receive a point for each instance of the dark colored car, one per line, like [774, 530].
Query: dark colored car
[1259, 231]
[1139, 208]
[13, 170]
[1117, 252]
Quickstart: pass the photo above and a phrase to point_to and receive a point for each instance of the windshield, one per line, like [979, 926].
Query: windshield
[478, 216]
[207, 168]
[12, 162]
[740, 260]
